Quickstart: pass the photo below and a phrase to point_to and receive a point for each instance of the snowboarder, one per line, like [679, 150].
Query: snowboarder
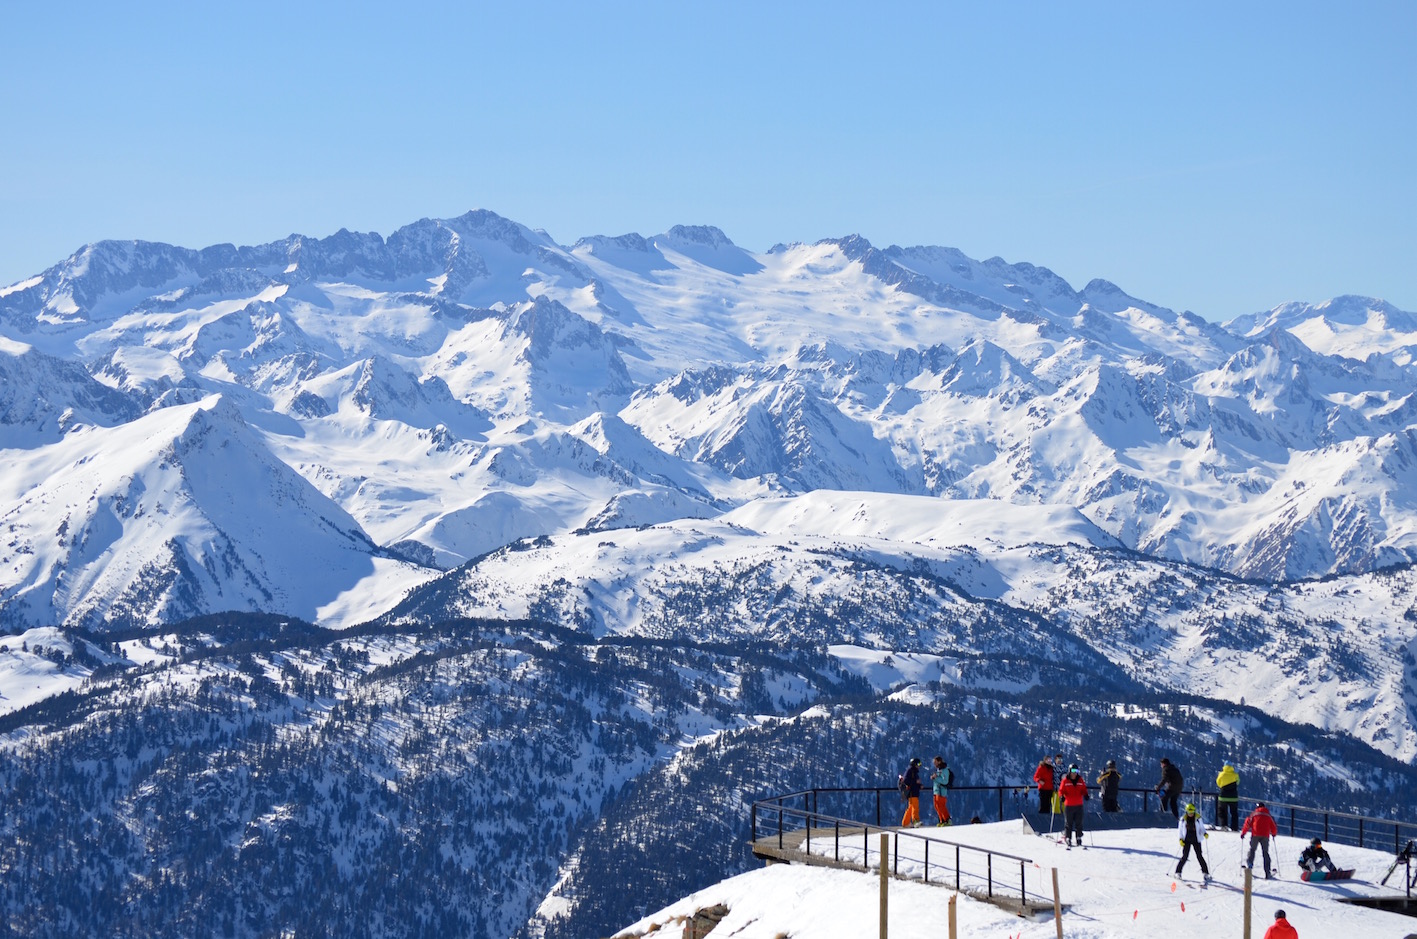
[1111, 783]
[1261, 828]
[1315, 857]
[910, 787]
[1190, 831]
[1227, 807]
[1172, 782]
[1281, 928]
[940, 781]
[1043, 778]
[1073, 791]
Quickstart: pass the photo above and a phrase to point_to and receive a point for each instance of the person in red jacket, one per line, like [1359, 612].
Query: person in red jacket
[1281, 928]
[1260, 827]
[1074, 792]
[1043, 778]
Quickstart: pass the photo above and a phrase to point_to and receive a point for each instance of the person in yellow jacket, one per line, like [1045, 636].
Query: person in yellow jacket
[1227, 810]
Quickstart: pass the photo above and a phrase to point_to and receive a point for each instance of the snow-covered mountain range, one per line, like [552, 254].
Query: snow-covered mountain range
[413, 402]
[657, 488]
[317, 426]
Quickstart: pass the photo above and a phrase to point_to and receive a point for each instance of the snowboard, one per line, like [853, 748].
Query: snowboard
[1319, 876]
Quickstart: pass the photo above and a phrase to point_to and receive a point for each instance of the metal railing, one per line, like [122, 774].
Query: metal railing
[825, 835]
[850, 807]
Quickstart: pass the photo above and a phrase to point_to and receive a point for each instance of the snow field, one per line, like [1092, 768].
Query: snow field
[1120, 887]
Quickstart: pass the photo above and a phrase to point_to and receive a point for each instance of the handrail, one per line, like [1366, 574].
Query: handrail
[857, 823]
[811, 818]
[1339, 827]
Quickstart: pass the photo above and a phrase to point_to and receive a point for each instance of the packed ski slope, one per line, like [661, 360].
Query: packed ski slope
[1120, 887]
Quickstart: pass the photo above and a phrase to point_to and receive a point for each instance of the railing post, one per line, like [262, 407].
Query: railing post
[1023, 885]
[885, 886]
[956, 868]
[836, 848]
[1360, 833]
[755, 822]
[779, 828]
[989, 861]
[895, 857]
[1291, 821]
[1001, 803]
[878, 807]
[1325, 826]
[927, 860]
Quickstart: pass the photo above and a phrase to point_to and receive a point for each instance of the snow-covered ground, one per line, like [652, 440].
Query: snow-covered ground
[1120, 886]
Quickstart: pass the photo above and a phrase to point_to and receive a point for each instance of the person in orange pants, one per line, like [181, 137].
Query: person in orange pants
[940, 781]
[910, 786]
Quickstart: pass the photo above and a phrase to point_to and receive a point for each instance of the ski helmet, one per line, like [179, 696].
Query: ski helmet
[1111, 764]
[1316, 842]
[1190, 808]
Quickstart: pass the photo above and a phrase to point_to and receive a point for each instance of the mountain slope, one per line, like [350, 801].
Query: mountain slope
[152, 521]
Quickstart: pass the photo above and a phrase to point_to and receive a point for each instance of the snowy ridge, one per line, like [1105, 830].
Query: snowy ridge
[912, 576]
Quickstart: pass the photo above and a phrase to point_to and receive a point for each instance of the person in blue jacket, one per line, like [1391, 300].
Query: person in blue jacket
[940, 781]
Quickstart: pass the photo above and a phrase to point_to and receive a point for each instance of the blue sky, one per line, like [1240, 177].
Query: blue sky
[1220, 157]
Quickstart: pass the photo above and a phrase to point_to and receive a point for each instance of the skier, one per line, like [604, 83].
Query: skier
[1261, 828]
[940, 781]
[1043, 778]
[1281, 928]
[1074, 792]
[910, 786]
[1057, 778]
[1315, 857]
[1173, 783]
[1190, 831]
[1111, 783]
[1227, 807]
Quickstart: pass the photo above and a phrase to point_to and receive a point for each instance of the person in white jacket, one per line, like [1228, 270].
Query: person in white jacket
[1190, 830]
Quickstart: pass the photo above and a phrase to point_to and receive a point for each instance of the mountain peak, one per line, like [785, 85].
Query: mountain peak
[706, 235]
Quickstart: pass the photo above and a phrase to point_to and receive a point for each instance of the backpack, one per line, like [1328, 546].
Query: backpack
[904, 790]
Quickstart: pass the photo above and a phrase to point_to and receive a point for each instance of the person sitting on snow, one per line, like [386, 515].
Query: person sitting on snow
[1315, 857]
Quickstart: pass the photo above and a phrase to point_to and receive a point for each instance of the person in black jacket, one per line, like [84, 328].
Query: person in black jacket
[910, 785]
[1315, 857]
[1172, 783]
[1111, 783]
